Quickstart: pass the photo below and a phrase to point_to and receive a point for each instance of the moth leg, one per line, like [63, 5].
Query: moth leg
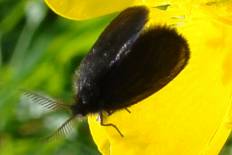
[109, 124]
[109, 113]
[127, 110]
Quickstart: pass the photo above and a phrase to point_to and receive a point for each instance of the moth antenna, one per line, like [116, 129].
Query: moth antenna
[45, 101]
[63, 130]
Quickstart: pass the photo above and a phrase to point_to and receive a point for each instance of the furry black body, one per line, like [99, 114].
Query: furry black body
[128, 63]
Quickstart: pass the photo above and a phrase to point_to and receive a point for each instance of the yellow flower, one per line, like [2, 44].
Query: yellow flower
[192, 114]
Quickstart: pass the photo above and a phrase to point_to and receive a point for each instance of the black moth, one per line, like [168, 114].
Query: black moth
[127, 64]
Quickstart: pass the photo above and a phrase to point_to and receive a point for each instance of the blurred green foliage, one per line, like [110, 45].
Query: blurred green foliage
[40, 51]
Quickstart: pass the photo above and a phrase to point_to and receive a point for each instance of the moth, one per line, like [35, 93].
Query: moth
[128, 63]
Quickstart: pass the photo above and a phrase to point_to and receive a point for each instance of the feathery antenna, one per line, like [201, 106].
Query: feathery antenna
[45, 101]
[63, 130]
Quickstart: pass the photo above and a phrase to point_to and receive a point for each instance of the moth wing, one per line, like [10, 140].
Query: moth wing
[156, 58]
[118, 36]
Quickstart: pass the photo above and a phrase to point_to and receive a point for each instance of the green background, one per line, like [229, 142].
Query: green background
[40, 51]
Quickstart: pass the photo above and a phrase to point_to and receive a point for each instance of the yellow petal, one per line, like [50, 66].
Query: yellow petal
[80, 10]
[221, 11]
[85, 9]
[189, 116]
